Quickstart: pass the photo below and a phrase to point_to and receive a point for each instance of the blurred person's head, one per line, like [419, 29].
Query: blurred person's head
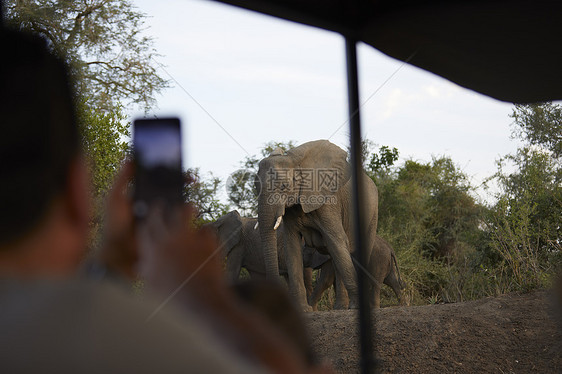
[44, 192]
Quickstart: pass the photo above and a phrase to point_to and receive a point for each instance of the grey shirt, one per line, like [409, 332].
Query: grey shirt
[83, 326]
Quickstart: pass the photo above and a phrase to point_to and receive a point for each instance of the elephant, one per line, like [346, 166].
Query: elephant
[240, 242]
[309, 189]
[325, 279]
[385, 270]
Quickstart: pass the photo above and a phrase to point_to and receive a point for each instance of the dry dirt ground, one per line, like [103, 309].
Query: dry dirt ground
[514, 333]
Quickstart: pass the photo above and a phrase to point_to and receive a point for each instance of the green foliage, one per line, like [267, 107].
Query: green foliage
[328, 298]
[241, 191]
[539, 125]
[449, 247]
[111, 60]
[431, 199]
[525, 221]
[535, 188]
[111, 63]
[367, 147]
[105, 141]
[427, 213]
[512, 238]
[203, 194]
[271, 146]
[423, 276]
[383, 160]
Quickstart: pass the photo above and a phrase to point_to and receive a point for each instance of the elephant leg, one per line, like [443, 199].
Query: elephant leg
[376, 279]
[324, 281]
[293, 258]
[376, 300]
[342, 300]
[307, 275]
[338, 247]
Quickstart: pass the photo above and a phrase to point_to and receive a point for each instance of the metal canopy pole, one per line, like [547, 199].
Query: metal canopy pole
[366, 326]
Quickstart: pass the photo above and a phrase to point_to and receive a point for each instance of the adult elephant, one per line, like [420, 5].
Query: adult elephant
[241, 244]
[309, 189]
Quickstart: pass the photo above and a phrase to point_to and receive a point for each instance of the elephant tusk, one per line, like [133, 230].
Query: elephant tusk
[278, 222]
[256, 226]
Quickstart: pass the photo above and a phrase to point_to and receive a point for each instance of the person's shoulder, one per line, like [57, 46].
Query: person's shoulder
[174, 338]
[92, 326]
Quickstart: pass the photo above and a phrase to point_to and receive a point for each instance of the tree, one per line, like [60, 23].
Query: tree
[429, 202]
[102, 40]
[203, 194]
[428, 214]
[535, 188]
[111, 63]
[382, 161]
[525, 221]
[539, 125]
[455, 213]
[538, 176]
[242, 191]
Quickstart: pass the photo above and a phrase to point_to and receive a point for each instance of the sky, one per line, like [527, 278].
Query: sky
[241, 79]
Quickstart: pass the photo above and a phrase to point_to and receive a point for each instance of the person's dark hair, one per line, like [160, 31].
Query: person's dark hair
[39, 136]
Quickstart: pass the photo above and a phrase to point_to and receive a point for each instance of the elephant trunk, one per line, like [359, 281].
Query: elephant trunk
[269, 240]
[267, 221]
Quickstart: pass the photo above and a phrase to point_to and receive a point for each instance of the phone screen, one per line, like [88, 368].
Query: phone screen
[158, 163]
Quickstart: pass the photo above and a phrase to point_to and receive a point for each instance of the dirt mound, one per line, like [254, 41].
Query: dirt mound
[514, 333]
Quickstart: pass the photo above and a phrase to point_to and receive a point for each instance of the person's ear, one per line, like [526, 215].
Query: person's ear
[72, 222]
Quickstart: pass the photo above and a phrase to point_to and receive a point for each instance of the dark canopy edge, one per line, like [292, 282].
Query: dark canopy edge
[508, 50]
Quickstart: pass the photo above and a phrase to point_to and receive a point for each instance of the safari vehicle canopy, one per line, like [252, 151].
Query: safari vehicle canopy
[507, 50]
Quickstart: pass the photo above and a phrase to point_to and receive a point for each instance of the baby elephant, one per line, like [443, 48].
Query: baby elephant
[383, 268]
[240, 243]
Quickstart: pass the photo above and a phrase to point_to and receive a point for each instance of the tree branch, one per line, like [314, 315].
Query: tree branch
[80, 17]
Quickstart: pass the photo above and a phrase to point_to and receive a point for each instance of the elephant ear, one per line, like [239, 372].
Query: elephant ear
[229, 229]
[321, 170]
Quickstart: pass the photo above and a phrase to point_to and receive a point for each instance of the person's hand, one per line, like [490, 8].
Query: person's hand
[118, 251]
[175, 254]
[179, 260]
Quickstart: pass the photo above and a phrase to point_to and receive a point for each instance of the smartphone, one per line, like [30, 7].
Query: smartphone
[158, 164]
